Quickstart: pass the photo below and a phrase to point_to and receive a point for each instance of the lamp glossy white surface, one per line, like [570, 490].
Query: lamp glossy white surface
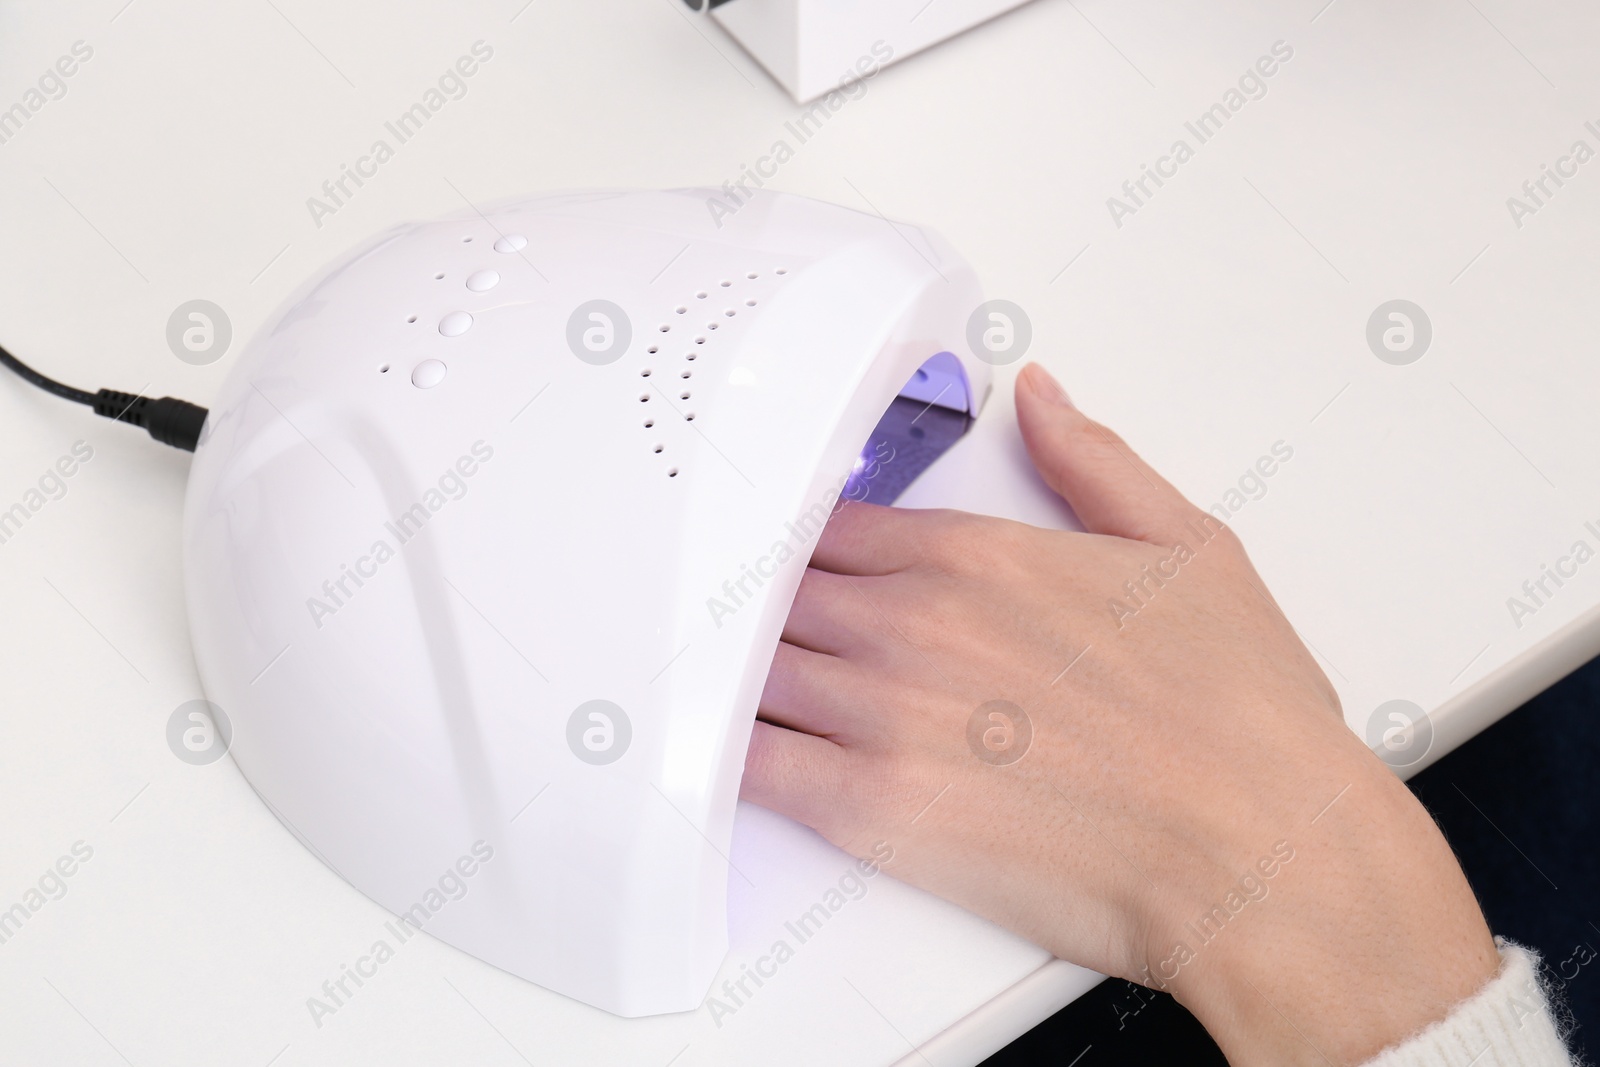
[489, 579]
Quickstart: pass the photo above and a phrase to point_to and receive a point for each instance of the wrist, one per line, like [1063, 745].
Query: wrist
[1367, 935]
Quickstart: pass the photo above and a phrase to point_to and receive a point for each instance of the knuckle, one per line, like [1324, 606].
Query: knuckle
[1222, 535]
[952, 539]
[888, 788]
[962, 543]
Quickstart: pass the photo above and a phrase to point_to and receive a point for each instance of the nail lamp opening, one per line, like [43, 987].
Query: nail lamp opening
[487, 471]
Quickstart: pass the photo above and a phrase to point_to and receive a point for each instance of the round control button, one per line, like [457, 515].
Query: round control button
[455, 324]
[511, 242]
[428, 373]
[478, 281]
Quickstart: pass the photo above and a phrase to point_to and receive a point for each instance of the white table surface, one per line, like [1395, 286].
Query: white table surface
[1226, 315]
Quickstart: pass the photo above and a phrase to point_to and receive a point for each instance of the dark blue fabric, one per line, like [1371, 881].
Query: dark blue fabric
[1520, 804]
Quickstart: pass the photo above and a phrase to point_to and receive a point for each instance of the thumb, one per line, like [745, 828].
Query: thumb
[1110, 488]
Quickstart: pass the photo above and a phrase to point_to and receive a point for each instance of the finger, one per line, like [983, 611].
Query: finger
[797, 775]
[1110, 488]
[868, 539]
[812, 694]
[827, 615]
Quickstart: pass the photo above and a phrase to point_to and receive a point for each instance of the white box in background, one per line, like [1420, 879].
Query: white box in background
[810, 46]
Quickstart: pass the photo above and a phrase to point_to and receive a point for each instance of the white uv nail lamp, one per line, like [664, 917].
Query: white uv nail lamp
[494, 529]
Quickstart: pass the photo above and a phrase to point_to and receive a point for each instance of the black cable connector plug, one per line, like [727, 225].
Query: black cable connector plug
[169, 420]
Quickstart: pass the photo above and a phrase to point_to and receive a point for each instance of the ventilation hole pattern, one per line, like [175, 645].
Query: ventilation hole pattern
[681, 413]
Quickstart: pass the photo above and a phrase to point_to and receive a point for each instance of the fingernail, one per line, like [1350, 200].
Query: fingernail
[1045, 387]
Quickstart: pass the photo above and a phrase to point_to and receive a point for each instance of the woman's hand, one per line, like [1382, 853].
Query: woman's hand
[1114, 743]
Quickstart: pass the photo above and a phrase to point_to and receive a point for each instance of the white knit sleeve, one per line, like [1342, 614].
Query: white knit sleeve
[1508, 1023]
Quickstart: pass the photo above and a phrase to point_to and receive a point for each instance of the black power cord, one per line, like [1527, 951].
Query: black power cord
[169, 420]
